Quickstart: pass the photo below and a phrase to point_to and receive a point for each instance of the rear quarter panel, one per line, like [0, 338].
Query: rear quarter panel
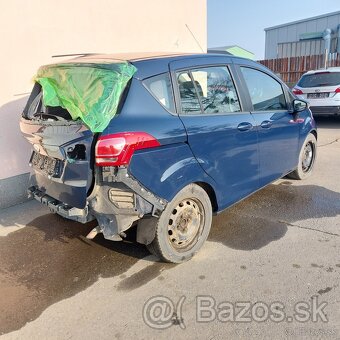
[142, 112]
[167, 169]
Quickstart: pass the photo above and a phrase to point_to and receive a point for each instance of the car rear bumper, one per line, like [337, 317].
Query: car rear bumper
[61, 160]
[71, 192]
[325, 110]
[116, 202]
[76, 214]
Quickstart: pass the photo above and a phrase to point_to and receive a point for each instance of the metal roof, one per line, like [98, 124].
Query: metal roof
[226, 48]
[302, 20]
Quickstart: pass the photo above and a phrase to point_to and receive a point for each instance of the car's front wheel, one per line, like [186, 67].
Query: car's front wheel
[306, 159]
[183, 226]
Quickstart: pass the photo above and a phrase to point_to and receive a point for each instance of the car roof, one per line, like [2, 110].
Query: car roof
[140, 56]
[132, 56]
[329, 69]
[151, 63]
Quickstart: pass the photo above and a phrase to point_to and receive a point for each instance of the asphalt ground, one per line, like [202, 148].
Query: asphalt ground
[281, 245]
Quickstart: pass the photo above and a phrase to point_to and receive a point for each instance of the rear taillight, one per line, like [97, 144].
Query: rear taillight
[117, 149]
[297, 91]
[337, 90]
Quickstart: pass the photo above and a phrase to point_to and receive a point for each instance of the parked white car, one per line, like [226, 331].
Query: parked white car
[321, 88]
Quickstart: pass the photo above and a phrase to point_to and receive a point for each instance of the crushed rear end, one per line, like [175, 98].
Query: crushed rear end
[65, 176]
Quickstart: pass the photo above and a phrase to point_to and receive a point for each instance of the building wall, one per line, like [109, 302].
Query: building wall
[291, 32]
[301, 48]
[33, 31]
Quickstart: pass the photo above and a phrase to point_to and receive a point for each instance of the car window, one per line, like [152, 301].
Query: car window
[160, 87]
[320, 79]
[265, 92]
[188, 95]
[216, 90]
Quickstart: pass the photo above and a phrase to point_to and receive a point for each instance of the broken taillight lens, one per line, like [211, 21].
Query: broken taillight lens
[117, 149]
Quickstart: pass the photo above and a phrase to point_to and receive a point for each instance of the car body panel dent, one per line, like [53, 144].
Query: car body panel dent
[166, 170]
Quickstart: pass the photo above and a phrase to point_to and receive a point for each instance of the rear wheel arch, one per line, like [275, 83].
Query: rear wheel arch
[211, 193]
[314, 132]
[183, 226]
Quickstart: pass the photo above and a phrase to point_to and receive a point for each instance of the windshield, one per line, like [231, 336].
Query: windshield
[320, 79]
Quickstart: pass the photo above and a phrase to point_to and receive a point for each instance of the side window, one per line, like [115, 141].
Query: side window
[188, 95]
[160, 87]
[265, 92]
[216, 90]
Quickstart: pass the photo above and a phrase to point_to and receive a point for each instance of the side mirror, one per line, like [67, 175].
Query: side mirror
[299, 105]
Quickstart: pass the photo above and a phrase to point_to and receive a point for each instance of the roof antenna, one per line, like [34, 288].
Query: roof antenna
[195, 38]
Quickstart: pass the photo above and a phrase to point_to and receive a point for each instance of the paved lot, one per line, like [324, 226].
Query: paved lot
[280, 245]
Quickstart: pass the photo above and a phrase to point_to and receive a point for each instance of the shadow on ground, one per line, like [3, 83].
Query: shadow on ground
[328, 122]
[50, 259]
[264, 217]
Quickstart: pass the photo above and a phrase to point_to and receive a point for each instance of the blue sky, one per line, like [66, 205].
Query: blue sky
[241, 22]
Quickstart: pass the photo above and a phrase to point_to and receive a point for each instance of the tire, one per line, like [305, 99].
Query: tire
[183, 226]
[306, 159]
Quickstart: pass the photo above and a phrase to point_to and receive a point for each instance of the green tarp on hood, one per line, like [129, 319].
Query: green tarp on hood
[87, 91]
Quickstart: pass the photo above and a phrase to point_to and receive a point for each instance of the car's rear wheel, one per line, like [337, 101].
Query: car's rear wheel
[306, 159]
[183, 226]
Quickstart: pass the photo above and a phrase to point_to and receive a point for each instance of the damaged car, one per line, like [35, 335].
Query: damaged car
[162, 142]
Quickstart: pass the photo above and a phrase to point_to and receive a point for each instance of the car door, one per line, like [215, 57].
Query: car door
[278, 131]
[221, 133]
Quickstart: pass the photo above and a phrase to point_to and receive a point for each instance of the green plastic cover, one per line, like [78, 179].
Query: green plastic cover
[88, 91]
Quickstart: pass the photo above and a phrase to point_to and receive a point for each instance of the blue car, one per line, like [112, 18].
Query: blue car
[192, 135]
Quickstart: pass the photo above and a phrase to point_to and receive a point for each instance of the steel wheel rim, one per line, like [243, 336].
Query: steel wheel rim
[185, 224]
[308, 157]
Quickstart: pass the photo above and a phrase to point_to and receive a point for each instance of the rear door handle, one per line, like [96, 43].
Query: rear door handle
[244, 126]
[266, 124]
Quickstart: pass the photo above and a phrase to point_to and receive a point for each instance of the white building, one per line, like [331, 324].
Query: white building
[33, 31]
[304, 37]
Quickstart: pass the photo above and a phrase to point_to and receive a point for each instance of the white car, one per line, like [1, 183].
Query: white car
[321, 89]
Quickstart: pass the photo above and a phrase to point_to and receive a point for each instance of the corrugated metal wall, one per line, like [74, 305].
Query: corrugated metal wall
[304, 48]
[300, 48]
[291, 33]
